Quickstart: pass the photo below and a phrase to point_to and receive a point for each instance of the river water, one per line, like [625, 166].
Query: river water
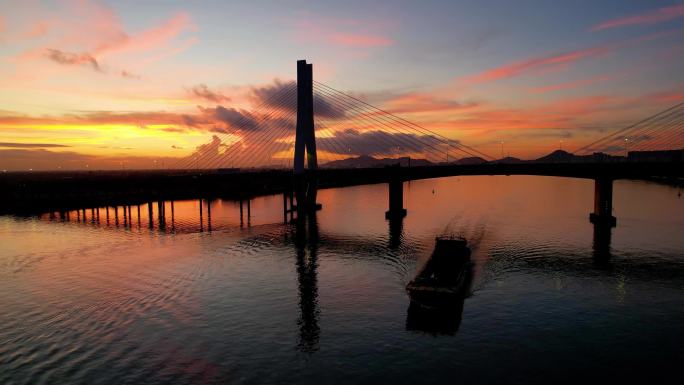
[208, 298]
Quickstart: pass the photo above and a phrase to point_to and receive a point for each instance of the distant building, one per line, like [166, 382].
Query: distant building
[656, 156]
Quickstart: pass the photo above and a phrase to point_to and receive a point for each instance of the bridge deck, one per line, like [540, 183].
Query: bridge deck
[40, 191]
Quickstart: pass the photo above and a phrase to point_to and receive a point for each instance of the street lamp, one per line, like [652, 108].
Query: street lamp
[626, 149]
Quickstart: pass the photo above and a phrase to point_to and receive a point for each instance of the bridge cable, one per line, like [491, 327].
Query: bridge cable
[621, 131]
[418, 127]
[402, 140]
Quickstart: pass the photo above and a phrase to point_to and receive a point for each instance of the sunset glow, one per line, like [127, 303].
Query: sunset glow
[100, 84]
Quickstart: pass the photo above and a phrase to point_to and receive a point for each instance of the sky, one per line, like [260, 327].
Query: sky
[131, 84]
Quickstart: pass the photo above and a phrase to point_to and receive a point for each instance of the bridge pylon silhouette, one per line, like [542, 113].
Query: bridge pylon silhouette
[304, 179]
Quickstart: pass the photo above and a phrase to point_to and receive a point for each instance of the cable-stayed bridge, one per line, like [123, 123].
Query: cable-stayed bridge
[306, 135]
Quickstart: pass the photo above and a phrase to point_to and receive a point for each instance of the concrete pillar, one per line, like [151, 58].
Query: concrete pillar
[290, 197]
[396, 199]
[162, 219]
[150, 215]
[200, 218]
[603, 202]
[285, 207]
[209, 215]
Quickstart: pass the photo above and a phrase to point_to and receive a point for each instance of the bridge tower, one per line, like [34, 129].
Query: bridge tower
[305, 138]
[305, 180]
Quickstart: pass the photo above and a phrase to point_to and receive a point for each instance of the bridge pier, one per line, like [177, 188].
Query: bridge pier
[161, 214]
[396, 198]
[209, 215]
[173, 219]
[241, 215]
[150, 215]
[289, 206]
[603, 202]
[201, 220]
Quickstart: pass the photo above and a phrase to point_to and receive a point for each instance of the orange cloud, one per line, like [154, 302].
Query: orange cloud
[651, 17]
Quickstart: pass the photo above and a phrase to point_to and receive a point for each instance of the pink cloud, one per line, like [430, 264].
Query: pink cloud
[571, 84]
[563, 60]
[89, 34]
[415, 102]
[38, 29]
[348, 33]
[535, 63]
[150, 39]
[357, 40]
[651, 17]
[669, 96]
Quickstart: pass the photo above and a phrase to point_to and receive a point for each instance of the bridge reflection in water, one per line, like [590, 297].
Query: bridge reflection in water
[161, 216]
[198, 216]
[306, 244]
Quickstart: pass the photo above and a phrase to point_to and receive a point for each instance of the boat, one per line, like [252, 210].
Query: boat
[442, 281]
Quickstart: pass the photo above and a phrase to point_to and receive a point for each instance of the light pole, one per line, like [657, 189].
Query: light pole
[626, 148]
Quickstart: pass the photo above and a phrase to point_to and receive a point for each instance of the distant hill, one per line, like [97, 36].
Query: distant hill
[470, 160]
[365, 161]
[558, 156]
[508, 159]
